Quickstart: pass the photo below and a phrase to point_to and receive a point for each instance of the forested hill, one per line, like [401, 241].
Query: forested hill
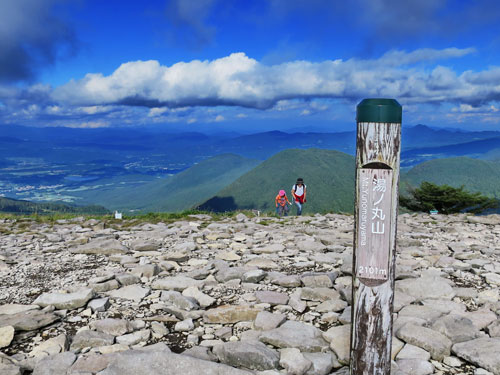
[14, 206]
[328, 175]
[179, 192]
[476, 175]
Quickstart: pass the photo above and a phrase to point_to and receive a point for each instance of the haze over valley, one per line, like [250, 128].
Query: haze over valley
[142, 170]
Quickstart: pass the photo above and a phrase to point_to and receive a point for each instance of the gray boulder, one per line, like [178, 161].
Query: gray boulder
[294, 361]
[178, 300]
[322, 363]
[421, 289]
[114, 327]
[133, 292]
[91, 339]
[62, 301]
[28, 320]
[266, 320]
[252, 355]
[437, 344]
[135, 362]
[415, 367]
[482, 352]
[457, 328]
[58, 364]
[178, 283]
[294, 334]
[104, 246]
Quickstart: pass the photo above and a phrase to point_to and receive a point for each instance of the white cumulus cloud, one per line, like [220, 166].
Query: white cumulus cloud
[238, 80]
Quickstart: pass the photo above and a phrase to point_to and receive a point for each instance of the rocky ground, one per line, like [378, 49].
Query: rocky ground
[239, 296]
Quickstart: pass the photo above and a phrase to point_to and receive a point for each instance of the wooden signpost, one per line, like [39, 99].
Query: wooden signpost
[374, 256]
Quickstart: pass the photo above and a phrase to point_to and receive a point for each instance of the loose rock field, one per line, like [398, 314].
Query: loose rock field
[239, 296]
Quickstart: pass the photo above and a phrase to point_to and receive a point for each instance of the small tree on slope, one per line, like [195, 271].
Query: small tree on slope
[446, 199]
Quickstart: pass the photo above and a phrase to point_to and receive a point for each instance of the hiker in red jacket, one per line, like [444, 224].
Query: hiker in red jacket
[299, 194]
[282, 203]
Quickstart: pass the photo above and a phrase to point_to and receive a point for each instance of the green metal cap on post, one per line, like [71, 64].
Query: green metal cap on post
[379, 110]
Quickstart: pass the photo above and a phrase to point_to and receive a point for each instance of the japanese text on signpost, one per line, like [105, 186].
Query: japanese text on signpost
[374, 186]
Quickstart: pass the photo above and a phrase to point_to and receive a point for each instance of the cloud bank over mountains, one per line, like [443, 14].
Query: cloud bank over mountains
[240, 81]
[180, 61]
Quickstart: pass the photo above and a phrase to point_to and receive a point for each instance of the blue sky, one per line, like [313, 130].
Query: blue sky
[243, 65]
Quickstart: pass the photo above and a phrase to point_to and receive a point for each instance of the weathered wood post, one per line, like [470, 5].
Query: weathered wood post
[378, 147]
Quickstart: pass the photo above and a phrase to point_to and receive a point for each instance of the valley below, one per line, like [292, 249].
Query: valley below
[143, 170]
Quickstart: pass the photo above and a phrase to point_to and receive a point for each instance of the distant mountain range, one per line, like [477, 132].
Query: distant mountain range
[67, 145]
[230, 182]
[483, 149]
[158, 170]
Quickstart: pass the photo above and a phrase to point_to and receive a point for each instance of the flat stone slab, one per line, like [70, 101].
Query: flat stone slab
[457, 328]
[101, 246]
[273, 298]
[55, 365]
[294, 334]
[51, 346]
[144, 245]
[6, 336]
[437, 344]
[252, 355]
[481, 318]
[484, 352]
[293, 361]
[421, 312]
[135, 362]
[10, 369]
[14, 308]
[426, 288]
[311, 246]
[268, 249]
[413, 352]
[178, 300]
[29, 320]
[322, 363]
[339, 339]
[203, 299]
[225, 274]
[92, 339]
[263, 263]
[178, 283]
[132, 292]
[62, 301]
[89, 364]
[415, 366]
[317, 281]
[266, 320]
[114, 327]
[487, 219]
[134, 338]
[230, 314]
[319, 294]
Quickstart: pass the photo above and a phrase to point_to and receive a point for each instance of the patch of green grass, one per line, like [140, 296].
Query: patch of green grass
[23, 222]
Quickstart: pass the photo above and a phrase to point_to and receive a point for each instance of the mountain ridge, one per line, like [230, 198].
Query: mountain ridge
[258, 188]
